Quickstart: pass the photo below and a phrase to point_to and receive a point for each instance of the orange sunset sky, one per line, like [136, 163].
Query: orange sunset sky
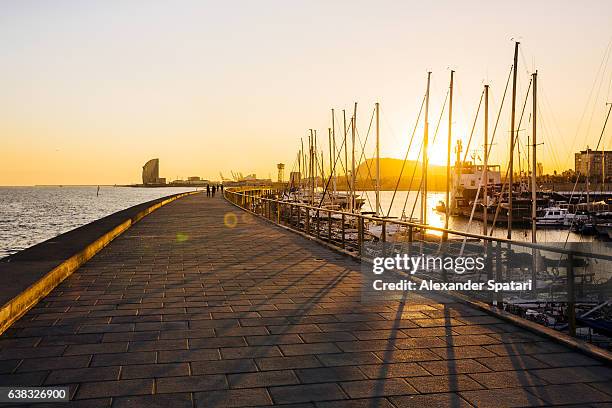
[90, 90]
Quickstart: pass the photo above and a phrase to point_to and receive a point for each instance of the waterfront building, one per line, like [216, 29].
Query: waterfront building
[150, 172]
[593, 163]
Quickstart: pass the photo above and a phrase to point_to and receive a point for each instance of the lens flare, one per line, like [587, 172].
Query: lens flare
[181, 237]
[230, 220]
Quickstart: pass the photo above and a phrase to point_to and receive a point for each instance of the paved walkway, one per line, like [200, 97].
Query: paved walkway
[183, 311]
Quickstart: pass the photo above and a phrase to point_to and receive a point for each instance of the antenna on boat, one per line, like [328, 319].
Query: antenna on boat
[425, 158]
[512, 131]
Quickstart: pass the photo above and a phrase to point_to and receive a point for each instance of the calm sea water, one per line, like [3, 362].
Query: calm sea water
[29, 215]
[399, 204]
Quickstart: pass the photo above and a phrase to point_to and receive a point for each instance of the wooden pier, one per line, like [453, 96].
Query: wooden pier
[200, 304]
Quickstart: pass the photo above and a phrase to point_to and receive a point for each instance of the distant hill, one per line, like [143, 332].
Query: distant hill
[390, 170]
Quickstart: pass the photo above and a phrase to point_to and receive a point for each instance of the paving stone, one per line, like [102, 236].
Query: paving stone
[170, 356]
[154, 401]
[446, 367]
[184, 334]
[31, 352]
[115, 388]
[191, 383]
[262, 379]
[443, 383]
[342, 359]
[70, 339]
[249, 352]
[569, 394]
[8, 366]
[407, 355]
[329, 374]
[76, 375]
[566, 359]
[123, 359]
[223, 367]
[450, 353]
[392, 370]
[327, 337]
[217, 342]
[275, 339]
[507, 379]
[288, 363]
[442, 400]
[357, 403]
[31, 379]
[154, 345]
[511, 363]
[54, 363]
[232, 398]
[313, 348]
[507, 398]
[377, 388]
[99, 348]
[306, 393]
[568, 375]
[154, 370]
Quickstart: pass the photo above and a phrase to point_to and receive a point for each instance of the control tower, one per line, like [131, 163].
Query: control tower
[281, 172]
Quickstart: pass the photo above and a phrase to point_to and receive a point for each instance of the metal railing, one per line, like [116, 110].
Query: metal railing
[505, 259]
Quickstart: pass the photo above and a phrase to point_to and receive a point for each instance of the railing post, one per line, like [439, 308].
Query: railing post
[329, 226]
[498, 273]
[307, 220]
[383, 235]
[318, 224]
[299, 218]
[571, 297]
[278, 211]
[410, 239]
[360, 234]
[343, 221]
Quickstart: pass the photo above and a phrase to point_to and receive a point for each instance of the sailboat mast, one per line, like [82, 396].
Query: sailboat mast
[448, 149]
[311, 168]
[303, 162]
[315, 163]
[334, 179]
[353, 175]
[512, 130]
[425, 156]
[345, 154]
[331, 164]
[534, 115]
[377, 160]
[485, 173]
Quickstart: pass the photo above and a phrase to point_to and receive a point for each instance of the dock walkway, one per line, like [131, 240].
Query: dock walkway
[203, 305]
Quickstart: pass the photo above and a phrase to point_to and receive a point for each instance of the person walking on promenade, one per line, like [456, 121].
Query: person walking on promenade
[208, 190]
[222, 188]
[214, 189]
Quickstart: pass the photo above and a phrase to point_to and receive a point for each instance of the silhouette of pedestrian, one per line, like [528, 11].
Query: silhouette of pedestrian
[221, 187]
[207, 190]
[214, 189]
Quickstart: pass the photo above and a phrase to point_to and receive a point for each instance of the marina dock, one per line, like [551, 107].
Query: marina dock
[201, 304]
